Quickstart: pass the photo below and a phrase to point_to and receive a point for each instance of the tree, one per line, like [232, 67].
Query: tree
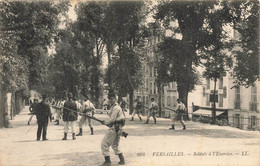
[246, 23]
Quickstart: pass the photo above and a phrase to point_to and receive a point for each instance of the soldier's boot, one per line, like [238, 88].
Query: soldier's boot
[172, 128]
[80, 132]
[154, 121]
[146, 121]
[122, 159]
[132, 119]
[65, 136]
[92, 131]
[184, 127]
[107, 161]
[73, 136]
[57, 122]
[28, 123]
[140, 119]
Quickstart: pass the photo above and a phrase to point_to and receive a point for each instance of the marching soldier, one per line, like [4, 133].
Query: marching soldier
[43, 112]
[137, 109]
[32, 110]
[180, 111]
[70, 116]
[152, 111]
[112, 138]
[88, 108]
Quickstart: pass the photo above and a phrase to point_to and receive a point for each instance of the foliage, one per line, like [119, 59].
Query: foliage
[246, 23]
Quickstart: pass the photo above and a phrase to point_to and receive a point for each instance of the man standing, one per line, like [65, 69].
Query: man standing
[112, 138]
[70, 116]
[32, 110]
[180, 112]
[152, 111]
[43, 112]
[59, 111]
[137, 109]
[88, 108]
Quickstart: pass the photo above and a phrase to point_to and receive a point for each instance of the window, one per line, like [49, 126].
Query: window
[220, 83]
[253, 103]
[252, 122]
[163, 104]
[151, 88]
[208, 83]
[154, 89]
[207, 100]
[220, 104]
[154, 71]
[168, 101]
[237, 98]
[147, 85]
[151, 71]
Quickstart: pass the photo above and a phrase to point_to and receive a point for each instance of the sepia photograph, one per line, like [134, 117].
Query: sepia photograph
[129, 82]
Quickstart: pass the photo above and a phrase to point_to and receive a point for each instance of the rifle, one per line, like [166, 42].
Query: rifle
[94, 118]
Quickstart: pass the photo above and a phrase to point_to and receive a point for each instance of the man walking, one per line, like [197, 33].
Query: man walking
[179, 115]
[112, 138]
[88, 108]
[70, 116]
[43, 112]
[32, 110]
[152, 111]
[137, 109]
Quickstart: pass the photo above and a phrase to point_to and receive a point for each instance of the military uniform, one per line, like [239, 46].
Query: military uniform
[88, 108]
[179, 115]
[32, 110]
[137, 110]
[152, 112]
[70, 117]
[112, 138]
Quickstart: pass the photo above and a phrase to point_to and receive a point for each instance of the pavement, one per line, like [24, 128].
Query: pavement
[147, 144]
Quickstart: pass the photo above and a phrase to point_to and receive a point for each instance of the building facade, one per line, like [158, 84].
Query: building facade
[149, 89]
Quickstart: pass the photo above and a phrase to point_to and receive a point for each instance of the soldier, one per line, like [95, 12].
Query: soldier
[137, 109]
[60, 105]
[104, 106]
[180, 111]
[88, 108]
[152, 111]
[123, 104]
[43, 112]
[112, 138]
[32, 110]
[70, 116]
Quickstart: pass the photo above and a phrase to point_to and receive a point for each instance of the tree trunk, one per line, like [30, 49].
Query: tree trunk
[214, 103]
[131, 100]
[160, 99]
[3, 110]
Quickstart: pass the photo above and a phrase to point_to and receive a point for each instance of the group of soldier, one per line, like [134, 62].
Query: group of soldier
[70, 109]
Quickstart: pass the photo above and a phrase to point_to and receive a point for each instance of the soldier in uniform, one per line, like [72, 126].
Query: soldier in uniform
[137, 109]
[123, 104]
[60, 105]
[70, 116]
[152, 111]
[112, 138]
[88, 108]
[43, 112]
[32, 110]
[180, 111]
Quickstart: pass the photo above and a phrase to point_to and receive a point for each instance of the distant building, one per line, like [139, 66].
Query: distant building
[239, 104]
[149, 89]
